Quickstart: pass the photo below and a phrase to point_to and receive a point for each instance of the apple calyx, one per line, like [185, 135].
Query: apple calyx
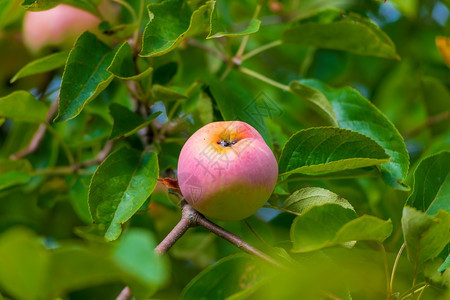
[225, 143]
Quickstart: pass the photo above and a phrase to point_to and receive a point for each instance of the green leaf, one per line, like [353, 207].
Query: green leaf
[41, 65]
[432, 184]
[356, 113]
[23, 106]
[171, 21]
[425, 236]
[198, 247]
[205, 109]
[164, 93]
[236, 103]
[14, 172]
[40, 5]
[327, 222]
[135, 256]
[333, 29]
[10, 12]
[364, 228]
[445, 265]
[316, 99]
[320, 150]
[23, 264]
[318, 226]
[79, 198]
[215, 282]
[123, 65]
[164, 74]
[119, 187]
[433, 276]
[74, 268]
[127, 122]
[217, 29]
[305, 198]
[85, 75]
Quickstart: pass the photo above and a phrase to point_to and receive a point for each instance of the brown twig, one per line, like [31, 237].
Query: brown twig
[213, 51]
[100, 157]
[189, 218]
[235, 240]
[38, 136]
[125, 294]
[428, 123]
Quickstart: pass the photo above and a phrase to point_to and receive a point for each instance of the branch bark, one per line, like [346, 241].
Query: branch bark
[428, 123]
[38, 136]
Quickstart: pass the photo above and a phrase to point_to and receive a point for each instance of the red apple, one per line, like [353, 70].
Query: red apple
[61, 24]
[226, 171]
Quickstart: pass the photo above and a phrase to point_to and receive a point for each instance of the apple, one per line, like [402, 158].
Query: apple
[226, 171]
[61, 24]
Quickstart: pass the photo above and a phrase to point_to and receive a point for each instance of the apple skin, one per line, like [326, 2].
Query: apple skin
[226, 171]
[59, 25]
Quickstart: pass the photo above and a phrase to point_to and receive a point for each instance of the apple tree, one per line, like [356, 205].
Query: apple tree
[255, 149]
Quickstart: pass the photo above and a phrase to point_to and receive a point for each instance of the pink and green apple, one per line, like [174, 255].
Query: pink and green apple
[59, 25]
[226, 171]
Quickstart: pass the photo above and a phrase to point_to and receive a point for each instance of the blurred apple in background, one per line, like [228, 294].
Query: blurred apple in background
[226, 170]
[59, 25]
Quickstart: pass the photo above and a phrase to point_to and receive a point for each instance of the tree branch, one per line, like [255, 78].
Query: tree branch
[213, 51]
[191, 218]
[188, 220]
[234, 239]
[264, 78]
[38, 136]
[431, 121]
[100, 157]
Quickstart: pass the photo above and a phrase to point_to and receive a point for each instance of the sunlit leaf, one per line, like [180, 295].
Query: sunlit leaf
[364, 228]
[321, 150]
[217, 28]
[330, 224]
[356, 113]
[305, 198]
[23, 106]
[41, 65]
[333, 29]
[171, 21]
[316, 99]
[316, 227]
